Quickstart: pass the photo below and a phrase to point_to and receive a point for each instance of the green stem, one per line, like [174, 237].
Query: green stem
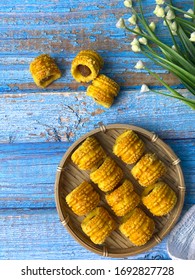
[186, 23]
[194, 11]
[182, 11]
[188, 101]
[144, 22]
[174, 92]
[178, 71]
[194, 6]
[181, 60]
[173, 38]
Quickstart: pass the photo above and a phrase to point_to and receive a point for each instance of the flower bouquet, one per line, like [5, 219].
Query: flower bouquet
[179, 58]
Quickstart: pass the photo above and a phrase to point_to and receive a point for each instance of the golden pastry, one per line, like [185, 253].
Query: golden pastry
[83, 199]
[129, 147]
[103, 90]
[123, 199]
[89, 154]
[98, 225]
[148, 170]
[159, 198]
[86, 66]
[137, 227]
[44, 70]
[108, 175]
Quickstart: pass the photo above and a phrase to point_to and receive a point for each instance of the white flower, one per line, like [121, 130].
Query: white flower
[167, 22]
[132, 20]
[128, 3]
[135, 42]
[137, 29]
[144, 88]
[159, 11]
[174, 48]
[192, 37]
[160, 2]
[152, 26]
[167, 8]
[136, 48]
[120, 23]
[173, 27]
[139, 65]
[170, 15]
[190, 11]
[143, 41]
[135, 45]
[173, 32]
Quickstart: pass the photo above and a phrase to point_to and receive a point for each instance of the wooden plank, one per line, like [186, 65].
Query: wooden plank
[68, 28]
[66, 116]
[28, 172]
[38, 234]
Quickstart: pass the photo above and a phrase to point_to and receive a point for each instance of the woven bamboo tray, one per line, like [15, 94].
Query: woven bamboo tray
[69, 176]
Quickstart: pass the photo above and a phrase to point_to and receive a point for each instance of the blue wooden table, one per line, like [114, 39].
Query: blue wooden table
[38, 125]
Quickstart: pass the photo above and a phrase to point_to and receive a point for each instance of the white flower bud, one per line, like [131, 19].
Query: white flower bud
[120, 23]
[144, 88]
[192, 37]
[135, 42]
[152, 26]
[137, 29]
[159, 11]
[167, 22]
[139, 65]
[174, 48]
[143, 41]
[190, 11]
[160, 2]
[128, 3]
[136, 48]
[132, 20]
[167, 8]
[173, 26]
[170, 15]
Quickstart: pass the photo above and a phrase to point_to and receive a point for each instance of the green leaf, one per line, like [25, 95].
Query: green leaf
[176, 56]
[181, 73]
[185, 23]
[187, 44]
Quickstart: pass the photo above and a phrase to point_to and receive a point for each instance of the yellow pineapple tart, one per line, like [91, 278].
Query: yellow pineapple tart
[98, 225]
[137, 227]
[129, 147]
[44, 70]
[86, 66]
[108, 175]
[89, 154]
[148, 169]
[83, 199]
[103, 90]
[159, 198]
[123, 199]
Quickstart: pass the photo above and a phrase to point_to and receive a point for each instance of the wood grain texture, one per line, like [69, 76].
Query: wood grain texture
[28, 172]
[37, 126]
[21, 238]
[62, 29]
[66, 116]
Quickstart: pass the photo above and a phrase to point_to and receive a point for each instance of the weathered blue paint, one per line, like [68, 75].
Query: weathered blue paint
[37, 126]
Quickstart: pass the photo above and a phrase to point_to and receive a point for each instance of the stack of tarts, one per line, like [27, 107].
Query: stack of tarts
[108, 201]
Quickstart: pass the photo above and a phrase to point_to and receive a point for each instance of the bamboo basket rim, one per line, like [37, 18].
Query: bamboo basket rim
[103, 250]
